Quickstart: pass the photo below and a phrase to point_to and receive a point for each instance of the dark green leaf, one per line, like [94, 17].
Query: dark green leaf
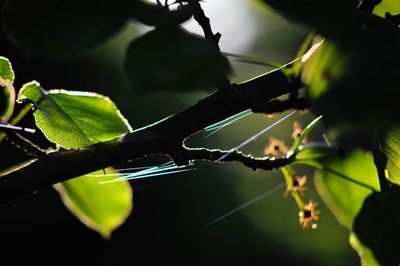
[7, 92]
[346, 85]
[101, 207]
[74, 119]
[377, 226]
[354, 76]
[63, 29]
[173, 59]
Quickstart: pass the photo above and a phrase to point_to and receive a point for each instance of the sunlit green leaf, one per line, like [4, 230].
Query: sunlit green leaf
[7, 92]
[391, 6]
[63, 29]
[345, 183]
[74, 119]
[173, 59]
[102, 207]
[6, 71]
[391, 148]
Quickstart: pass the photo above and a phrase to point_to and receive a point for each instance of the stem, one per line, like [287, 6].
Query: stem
[288, 172]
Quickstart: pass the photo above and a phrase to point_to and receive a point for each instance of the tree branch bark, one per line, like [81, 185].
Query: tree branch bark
[166, 136]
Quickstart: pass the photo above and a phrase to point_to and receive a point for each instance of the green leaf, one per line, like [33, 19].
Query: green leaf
[173, 59]
[63, 29]
[315, 152]
[6, 71]
[7, 91]
[74, 119]
[101, 207]
[391, 6]
[391, 148]
[345, 183]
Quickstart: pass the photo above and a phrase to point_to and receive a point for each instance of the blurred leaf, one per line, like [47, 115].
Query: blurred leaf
[356, 66]
[325, 66]
[339, 184]
[346, 85]
[366, 255]
[377, 226]
[63, 29]
[387, 6]
[7, 91]
[391, 148]
[101, 207]
[173, 59]
[74, 119]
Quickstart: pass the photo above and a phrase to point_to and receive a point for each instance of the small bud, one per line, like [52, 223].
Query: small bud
[297, 131]
[308, 215]
[276, 148]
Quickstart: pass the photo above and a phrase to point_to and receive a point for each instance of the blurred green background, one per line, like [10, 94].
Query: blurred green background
[167, 226]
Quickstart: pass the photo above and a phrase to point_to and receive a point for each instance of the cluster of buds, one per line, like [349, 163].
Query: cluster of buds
[296, 184]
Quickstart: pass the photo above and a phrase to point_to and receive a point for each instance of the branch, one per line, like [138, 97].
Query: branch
[265, 163]
[165, 136]
[275, 106]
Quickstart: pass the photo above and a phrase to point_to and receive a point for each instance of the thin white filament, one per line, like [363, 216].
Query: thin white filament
[228, 120]
[248, 203]
[134, 176]
[29, 130]
[215, 129]
[151, 171]
[255, 136]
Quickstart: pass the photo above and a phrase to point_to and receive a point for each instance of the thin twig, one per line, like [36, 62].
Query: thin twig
[165, 137]
[204, 22]
[214, 155]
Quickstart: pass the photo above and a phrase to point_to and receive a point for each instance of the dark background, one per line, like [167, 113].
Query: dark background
[167, 226]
